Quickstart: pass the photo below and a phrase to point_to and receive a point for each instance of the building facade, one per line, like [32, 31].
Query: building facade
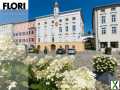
[60, 29]
[25, 33]
[106, 26]
[6, 29]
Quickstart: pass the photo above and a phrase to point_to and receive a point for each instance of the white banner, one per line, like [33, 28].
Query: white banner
[13, 4]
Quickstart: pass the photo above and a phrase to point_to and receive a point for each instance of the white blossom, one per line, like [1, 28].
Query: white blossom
[12, 85]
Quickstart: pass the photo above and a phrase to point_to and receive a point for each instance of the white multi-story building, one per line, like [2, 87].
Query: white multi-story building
[106, 26]
[60, 29]
[6, 29]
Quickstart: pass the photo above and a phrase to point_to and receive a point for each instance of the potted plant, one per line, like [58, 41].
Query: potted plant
[104, 67]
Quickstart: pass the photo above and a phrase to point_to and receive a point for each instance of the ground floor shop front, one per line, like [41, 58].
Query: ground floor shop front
[78, 46]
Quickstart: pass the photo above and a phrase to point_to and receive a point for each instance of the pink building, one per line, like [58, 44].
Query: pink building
[25, 33]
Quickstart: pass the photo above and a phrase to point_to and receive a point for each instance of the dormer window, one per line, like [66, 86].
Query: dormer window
[113, 9]
[67, 19]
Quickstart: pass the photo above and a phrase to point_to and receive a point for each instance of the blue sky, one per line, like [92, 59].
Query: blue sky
[44, 7]
[13, 16]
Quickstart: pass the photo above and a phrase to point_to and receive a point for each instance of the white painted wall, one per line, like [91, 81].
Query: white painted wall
[54, 30]
[109, 36]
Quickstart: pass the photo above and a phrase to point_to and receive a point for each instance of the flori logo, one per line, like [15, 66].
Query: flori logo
[13, 4]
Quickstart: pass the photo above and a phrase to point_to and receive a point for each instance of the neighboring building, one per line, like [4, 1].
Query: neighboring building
[106, 26]
[61, 29]
[89, 42]
[6, 29]
[25, 33]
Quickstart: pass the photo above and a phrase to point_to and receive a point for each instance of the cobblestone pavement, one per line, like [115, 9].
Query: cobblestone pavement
[85, 59]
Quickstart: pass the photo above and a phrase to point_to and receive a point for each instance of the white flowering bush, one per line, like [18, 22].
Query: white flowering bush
[9, 50]
[80, 79]
[13, 73]
[21, 72]
[59, 74]
[48, 71]
[104, 64]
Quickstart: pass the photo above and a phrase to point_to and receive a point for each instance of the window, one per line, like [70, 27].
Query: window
[52, 39]
[32, 39]
[16, 34]
[60, 20]
[66, 28]
[60, 29]
[66, 23]
[52, 21]
[45, 22]
[32, 32]
[114, 44]
[45, 26]
[113, 18]
[19, 40]
[26, 40]
[23, 33]
[67, 19]
[114, 30]
[73, 18]
[29, 32]
[104, 30]
[39, 39]
[59, 35]
[74, 27]
[38, 27]
[38, 23]
[113, 9]
[19, 33]
[103, 19]
[103, 44]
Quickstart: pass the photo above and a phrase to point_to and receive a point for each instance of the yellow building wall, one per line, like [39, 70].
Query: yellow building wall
[79, 46]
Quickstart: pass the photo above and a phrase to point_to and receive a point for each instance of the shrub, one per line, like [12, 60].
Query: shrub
[79, 79]
[104, 64]
[13, 73]
[47, 72]
[59, 74]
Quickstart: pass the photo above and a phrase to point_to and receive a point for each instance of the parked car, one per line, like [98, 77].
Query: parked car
[60, 51]
[30, 50]
[71, 51]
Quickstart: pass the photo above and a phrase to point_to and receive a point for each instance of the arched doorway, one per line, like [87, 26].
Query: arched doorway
[53, 47]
